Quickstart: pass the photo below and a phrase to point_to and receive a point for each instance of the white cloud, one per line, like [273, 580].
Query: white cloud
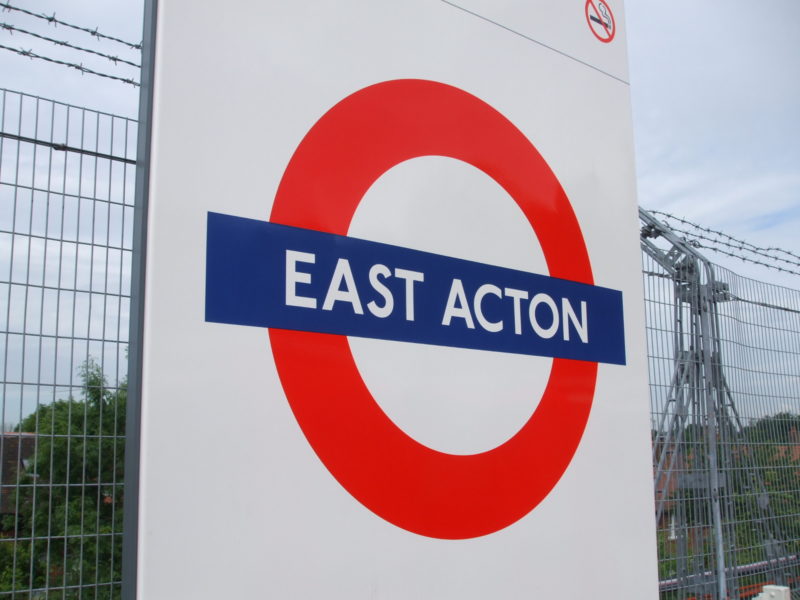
[52, 81]
[715, 95]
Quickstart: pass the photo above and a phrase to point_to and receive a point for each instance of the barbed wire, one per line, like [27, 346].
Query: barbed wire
[114, 59]
[81, 68]
[734, 242]
[754, 261]
[53, 21]
[733, 247]
[718, 242]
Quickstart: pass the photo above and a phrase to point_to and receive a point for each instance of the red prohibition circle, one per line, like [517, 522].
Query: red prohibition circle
[593, 10]
[419, 489]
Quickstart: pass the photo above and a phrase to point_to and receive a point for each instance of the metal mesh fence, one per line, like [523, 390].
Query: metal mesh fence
[66, 216]
[724, 357]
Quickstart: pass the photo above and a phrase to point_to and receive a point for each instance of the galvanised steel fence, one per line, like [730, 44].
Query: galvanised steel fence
[724, 359]
[724, 355]
[66, 204]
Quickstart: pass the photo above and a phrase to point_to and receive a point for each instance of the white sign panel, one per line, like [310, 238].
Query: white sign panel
[393, 337]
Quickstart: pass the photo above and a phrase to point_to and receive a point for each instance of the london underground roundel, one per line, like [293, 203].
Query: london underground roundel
[419, 489]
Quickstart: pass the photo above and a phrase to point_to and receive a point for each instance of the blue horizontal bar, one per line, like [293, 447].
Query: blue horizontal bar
[347, 286]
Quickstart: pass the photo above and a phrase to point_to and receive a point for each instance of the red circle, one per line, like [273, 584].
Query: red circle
[417, 488]
[612, 33]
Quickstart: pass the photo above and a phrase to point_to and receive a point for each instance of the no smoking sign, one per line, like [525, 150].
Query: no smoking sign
[601, 20]
[301, 276]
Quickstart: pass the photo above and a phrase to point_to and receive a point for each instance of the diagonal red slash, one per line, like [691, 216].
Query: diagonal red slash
[598, 18]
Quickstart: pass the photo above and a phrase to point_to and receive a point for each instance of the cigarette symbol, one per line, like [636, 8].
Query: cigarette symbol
[598, 12]
[606, 20]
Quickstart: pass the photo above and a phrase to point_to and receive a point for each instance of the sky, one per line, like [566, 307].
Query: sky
[118, 19]
[714, 86]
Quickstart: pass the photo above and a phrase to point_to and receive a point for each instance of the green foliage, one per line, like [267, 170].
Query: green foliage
[760, 485]
[777, 429]
[68, 531]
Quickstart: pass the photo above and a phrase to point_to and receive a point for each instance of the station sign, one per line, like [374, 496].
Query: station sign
[393, 324]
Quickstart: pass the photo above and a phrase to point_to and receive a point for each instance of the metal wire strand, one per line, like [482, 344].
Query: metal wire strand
[731, 246]
[115, 59]
[78, 67]
[6, 6]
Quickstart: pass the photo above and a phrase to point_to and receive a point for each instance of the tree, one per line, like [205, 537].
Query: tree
[774, 449]
[781, 428]
[68, 530]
